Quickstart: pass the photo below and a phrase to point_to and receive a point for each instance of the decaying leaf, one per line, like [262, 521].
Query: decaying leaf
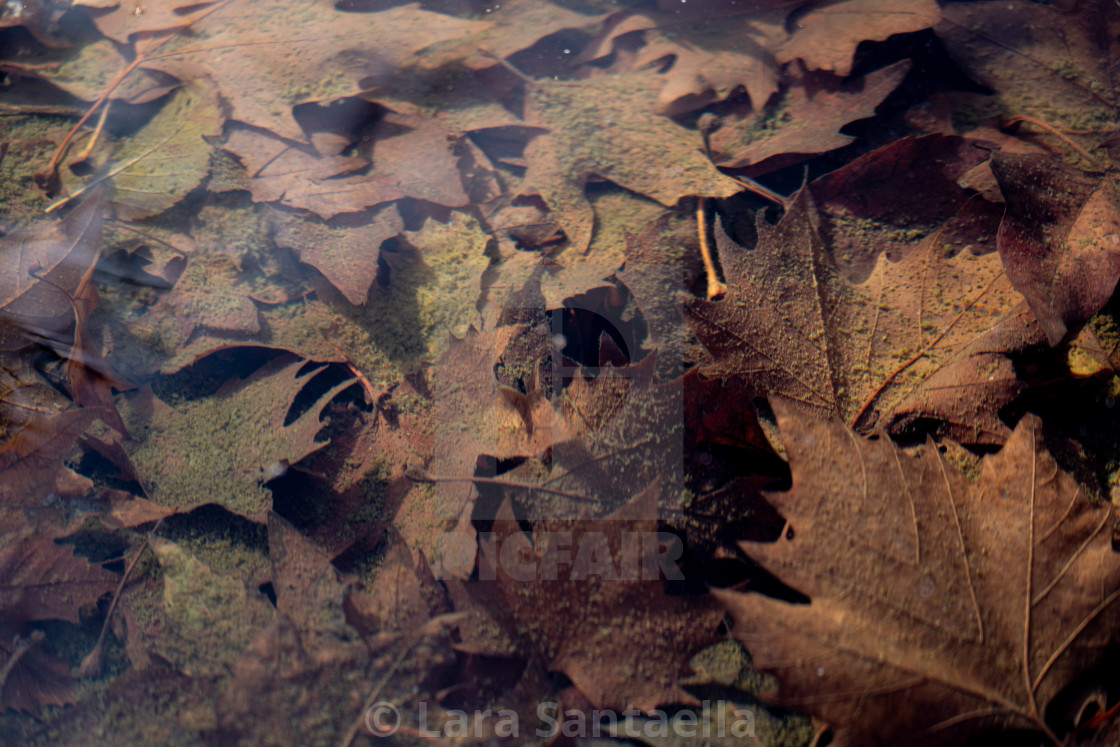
[709, 57]
[826, 35]
[303, 51]
[1059, 239]
[204, 618]
[296, 176]
[40, 580]
[926, 336]
[169, 157]
[31, 462]
[602, 128]
[614, 632]
[348, 257]
[232, 442]
[938, 607]
[805, 119]
[1050, 61]
[41, 268]
[36, 678]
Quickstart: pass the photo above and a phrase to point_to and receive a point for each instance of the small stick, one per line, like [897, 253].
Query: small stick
[22, 646]
[86, 151]
[91, 665]
[755, 188]
[418, 476]
[1058, 134]
[716, 288]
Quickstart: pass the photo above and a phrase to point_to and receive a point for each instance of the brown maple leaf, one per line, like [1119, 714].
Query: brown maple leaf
[924, 337]
[938, 606]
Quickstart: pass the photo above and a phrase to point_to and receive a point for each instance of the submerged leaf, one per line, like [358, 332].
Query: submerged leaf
[40, 269]
[266, 56]
[603, 127]
[169, 157]
[223, 448]
[938, 606]
[1059, 239]
[927, 336]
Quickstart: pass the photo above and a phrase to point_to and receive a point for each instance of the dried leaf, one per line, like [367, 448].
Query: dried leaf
[825, 37]
[229, 443]
[938, 606]
[1059, 239]
[40, 269]
[45, 581]
[805, 119]
[928, 336]
[602, 127]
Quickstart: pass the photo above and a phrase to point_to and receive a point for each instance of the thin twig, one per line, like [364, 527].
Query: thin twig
[91, 665]
[716, 288]
[1058, 134]
[424, 477]
[86, 151]
[50, 172]
[22, 646]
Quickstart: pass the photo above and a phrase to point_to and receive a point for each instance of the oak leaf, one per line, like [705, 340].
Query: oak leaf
[230, 442]
[804, 119]
[826, 35]
[603, 127]
[703, 59]
[939, 606]
[297, 176]
[269, 55]
[346, 255]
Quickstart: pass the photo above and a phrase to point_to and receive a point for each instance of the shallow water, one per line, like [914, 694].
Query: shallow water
[634, 372]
